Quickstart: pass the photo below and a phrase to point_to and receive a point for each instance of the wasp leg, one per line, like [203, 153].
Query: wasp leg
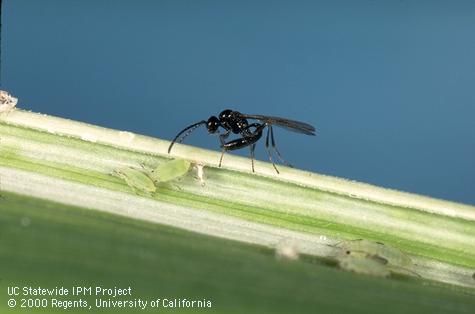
[248, 139]
[221, 158]
[222, 139]
[251, 148]
[276, 150]
[268, 150]
[257, 132]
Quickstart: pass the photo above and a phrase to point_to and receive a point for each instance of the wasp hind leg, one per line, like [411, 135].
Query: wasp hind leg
[252, 148]
[269, 128]
[285, 162]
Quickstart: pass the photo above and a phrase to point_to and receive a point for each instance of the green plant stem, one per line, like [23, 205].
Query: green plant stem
[71, 162]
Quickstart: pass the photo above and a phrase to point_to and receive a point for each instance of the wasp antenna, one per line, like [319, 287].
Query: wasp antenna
[184, 133]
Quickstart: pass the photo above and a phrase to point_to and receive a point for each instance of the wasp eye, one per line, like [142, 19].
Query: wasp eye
[212, 124]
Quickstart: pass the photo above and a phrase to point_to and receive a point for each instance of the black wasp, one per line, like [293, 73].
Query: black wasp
[236, 122]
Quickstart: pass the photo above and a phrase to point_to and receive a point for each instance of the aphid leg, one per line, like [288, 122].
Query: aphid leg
[145, 168]
[251, 148]
[276, 150]
[268, 150]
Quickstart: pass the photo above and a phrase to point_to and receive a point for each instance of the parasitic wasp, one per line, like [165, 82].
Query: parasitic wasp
[235, 122]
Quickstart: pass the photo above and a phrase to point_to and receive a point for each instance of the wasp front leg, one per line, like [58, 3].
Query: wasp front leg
[222, 139]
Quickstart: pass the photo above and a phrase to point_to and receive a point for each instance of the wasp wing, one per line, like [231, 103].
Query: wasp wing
[292, 125]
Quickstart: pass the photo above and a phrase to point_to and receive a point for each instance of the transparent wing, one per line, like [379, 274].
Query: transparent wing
[292, 125]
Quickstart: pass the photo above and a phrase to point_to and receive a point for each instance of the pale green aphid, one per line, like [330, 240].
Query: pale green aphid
[170, 170]
[389, 258]
[136, 179]
[364, 264]
[393, 256]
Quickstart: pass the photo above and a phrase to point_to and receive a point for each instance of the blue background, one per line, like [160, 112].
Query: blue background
[388, 84]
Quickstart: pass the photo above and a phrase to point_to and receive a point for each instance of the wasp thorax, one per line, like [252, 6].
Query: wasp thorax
[241, 124]
[225, 115]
